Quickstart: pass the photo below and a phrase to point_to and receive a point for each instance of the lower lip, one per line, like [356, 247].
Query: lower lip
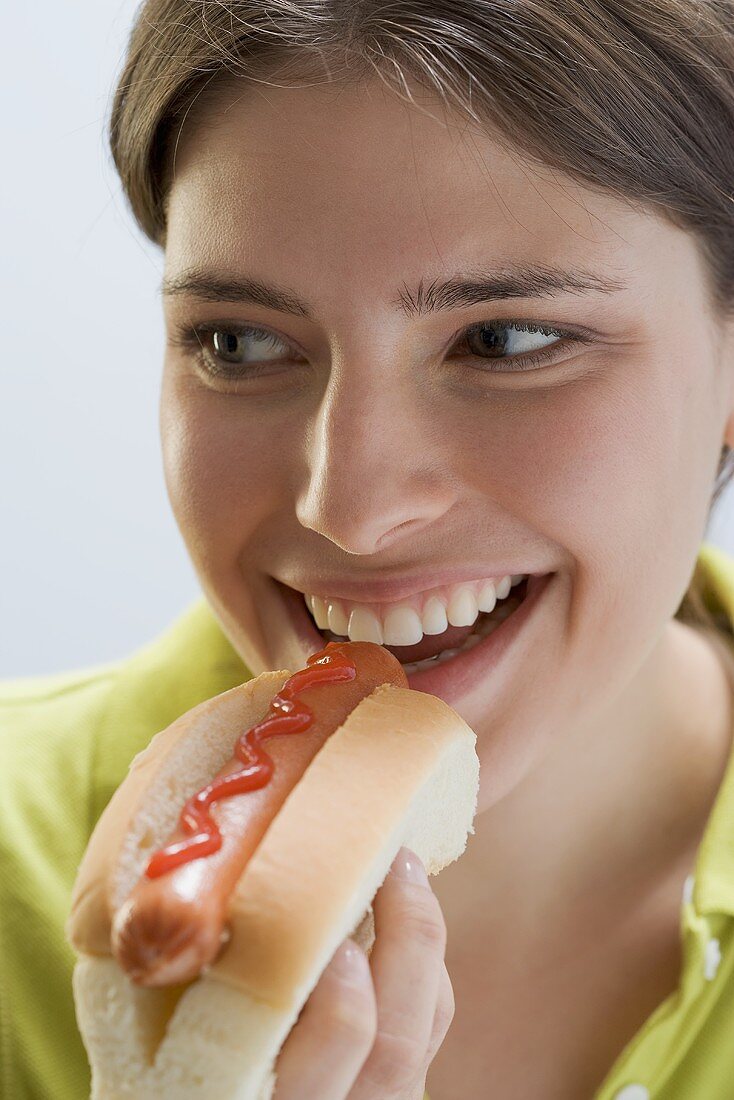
[449, 679]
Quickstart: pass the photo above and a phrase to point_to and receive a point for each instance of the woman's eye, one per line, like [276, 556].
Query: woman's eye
[243, 346]
[234, 352]
[516, 345]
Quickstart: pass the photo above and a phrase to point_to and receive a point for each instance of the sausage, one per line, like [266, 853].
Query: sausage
[172, 926]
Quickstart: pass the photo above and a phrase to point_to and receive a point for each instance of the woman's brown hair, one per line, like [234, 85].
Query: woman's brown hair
[631, 97]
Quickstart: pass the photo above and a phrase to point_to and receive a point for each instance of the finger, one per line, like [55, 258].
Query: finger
[443, 1016]
[406, 964]
[326, 1048]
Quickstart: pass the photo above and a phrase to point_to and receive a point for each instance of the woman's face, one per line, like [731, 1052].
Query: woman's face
[382, 428]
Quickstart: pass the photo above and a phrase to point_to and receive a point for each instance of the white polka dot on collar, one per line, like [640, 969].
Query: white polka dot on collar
[688, 890]
[712, 958]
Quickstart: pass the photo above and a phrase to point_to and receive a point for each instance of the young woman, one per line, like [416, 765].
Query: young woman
[448, 294]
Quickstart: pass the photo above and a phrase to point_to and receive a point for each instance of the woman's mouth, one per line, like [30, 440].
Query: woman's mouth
[451, 669]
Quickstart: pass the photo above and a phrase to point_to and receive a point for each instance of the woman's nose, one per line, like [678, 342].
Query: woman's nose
[375, 468]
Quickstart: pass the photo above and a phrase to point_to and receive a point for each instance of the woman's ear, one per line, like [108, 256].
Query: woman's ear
[729, 431]
[727, 362]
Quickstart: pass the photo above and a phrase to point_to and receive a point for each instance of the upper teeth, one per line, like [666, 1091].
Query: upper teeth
[406, 622]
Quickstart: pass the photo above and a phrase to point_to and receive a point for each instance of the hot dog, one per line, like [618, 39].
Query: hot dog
[298, 861]
[172, 925]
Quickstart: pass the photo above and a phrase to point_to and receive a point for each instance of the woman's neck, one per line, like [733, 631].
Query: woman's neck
[605, 820]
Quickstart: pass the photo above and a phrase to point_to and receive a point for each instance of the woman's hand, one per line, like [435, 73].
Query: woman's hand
[371, 1027]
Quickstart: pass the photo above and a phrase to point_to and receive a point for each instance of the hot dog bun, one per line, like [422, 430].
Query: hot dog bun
[402, 769]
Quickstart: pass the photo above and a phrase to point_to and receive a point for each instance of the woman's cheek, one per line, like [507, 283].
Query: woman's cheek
[563, 458]
[223, 466]
[613, 440]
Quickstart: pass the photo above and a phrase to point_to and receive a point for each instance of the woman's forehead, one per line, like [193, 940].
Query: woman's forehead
[361, 178]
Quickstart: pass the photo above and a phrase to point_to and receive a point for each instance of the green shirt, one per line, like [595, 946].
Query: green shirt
[66, 742]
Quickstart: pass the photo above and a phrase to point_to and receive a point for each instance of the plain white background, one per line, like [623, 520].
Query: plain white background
[91, 561]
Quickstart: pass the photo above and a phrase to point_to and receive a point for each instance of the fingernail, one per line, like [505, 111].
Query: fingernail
[408, 866]
[347, 961]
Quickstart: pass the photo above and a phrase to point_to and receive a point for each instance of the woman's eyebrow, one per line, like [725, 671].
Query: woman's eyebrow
[515, 281]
